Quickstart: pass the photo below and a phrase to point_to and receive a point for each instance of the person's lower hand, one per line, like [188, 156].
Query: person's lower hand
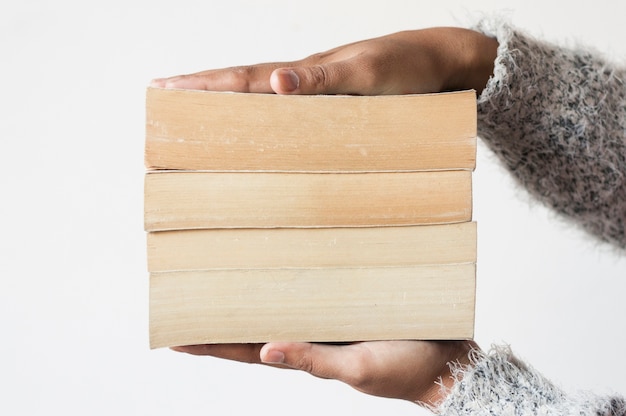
[409, 370]
[419, 61]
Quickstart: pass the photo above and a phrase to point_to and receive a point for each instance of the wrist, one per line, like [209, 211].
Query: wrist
[458, 356]
[472, 55]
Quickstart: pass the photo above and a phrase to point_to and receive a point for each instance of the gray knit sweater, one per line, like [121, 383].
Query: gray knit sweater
[557, 119]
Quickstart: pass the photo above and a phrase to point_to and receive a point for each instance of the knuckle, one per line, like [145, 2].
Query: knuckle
[305, 363]
[320, 76]
[239, 78]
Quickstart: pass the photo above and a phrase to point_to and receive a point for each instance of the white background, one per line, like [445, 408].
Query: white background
[73, 281]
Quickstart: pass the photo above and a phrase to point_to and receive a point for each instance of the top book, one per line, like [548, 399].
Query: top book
[224, 131]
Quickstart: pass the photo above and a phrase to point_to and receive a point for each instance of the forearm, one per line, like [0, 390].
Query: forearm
[499, 384]
[557, 119]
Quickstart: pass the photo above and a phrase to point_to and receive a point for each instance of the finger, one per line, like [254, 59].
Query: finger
[343, 77]
[321, 360]
[247, 353]
[250, 79]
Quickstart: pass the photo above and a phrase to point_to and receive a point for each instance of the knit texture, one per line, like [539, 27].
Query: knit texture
[498, 384]
[557, 119]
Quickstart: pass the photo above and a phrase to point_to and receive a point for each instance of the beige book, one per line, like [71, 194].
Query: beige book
[201, 130]
[309, 248]
[187, 200]
[318, 305]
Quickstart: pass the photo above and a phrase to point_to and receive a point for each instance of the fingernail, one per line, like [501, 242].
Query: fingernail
[274, 357]
[289, 80]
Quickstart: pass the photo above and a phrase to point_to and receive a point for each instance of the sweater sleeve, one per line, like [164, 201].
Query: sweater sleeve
[497, 383]
[556, 117]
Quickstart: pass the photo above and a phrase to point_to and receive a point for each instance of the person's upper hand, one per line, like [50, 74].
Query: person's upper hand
[419, 61]
[409, 370]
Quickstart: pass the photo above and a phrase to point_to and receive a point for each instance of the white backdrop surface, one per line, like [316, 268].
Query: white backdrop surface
[73, 281]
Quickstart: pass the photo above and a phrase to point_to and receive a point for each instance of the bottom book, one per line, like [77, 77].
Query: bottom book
[314, 305]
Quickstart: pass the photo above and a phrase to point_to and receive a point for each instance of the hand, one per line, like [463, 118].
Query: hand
[409, 370]
[419, 61]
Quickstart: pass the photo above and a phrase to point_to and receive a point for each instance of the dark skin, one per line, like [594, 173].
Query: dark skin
[406, 370]
[420, 61]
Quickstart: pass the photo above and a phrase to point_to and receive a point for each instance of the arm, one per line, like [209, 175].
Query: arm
[499, 384]
[557, 118]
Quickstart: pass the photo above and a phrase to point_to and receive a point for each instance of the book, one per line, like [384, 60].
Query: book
[316, 305]
[223, 131]
[309, 218]
[191, 200]
[283, 248]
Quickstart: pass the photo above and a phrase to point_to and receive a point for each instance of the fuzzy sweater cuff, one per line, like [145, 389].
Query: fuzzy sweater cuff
[556, 118]
[497, 383]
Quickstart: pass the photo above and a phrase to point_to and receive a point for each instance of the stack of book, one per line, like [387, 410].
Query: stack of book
[309, 218]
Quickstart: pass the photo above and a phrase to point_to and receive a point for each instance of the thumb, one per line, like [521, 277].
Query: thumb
[321, 360]
[331, 78]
